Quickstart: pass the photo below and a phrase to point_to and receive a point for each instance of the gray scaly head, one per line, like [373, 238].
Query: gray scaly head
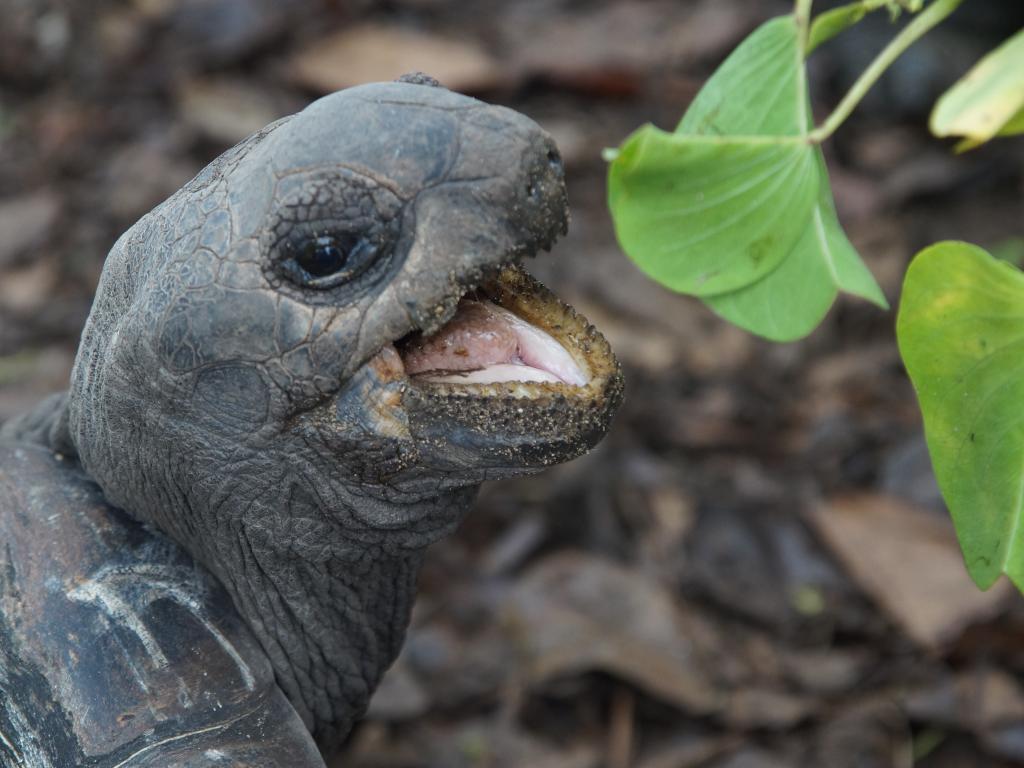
[302, 365]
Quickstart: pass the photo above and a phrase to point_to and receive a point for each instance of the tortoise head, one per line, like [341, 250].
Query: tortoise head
[316, 350]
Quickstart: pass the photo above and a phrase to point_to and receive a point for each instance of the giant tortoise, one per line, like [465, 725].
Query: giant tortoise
[296, 373]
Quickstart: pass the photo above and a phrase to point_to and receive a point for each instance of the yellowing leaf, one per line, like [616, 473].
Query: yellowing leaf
[961, 335]
[987, 100]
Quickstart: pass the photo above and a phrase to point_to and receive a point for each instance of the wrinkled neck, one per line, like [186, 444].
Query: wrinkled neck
[330, 625]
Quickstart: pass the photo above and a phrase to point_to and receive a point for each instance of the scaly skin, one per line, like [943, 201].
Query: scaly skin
[250, 417]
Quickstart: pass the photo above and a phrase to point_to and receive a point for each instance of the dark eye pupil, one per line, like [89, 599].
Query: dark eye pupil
[323, 256]
[328, 260]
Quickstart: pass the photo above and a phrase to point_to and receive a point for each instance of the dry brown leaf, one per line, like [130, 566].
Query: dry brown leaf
[688, 751]
[636, 40]
[980, 699]
[908, 561]
[766, 708]
[373, 53]
[870, 732]
[575, 613]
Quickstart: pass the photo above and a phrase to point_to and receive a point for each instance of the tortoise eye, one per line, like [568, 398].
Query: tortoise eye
[322, 256]
[325, 261]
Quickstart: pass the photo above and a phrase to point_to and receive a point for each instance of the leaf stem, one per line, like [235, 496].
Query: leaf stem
[927, 19]
[802, 15]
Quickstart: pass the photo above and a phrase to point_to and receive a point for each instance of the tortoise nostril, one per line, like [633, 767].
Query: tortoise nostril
[555, 160]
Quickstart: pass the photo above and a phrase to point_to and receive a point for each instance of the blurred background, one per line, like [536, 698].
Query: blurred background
[755, 569]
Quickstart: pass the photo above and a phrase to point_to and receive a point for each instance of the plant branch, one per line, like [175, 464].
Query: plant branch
[927, 19]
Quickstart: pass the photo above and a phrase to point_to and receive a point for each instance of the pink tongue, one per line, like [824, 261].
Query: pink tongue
[485, 343]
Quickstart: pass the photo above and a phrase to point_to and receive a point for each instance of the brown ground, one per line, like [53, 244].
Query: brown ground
[755, 569]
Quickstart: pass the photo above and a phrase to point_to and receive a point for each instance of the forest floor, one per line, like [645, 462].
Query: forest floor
[755, 569]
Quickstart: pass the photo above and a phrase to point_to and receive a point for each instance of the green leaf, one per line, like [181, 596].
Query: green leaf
[830, 23]
[757, 91]
[961, 335]
[987, 100]
[705, 215]
[1014, 125]
[789, 302]
[734, 207]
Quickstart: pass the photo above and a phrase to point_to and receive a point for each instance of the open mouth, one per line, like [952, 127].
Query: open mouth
[515, 378]
[484, 343]
[511, 336]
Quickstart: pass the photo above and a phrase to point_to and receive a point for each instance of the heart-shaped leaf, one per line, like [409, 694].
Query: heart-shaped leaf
[961, 336]
[734, 207]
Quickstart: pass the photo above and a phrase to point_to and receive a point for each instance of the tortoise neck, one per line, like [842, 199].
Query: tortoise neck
[331, 624]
